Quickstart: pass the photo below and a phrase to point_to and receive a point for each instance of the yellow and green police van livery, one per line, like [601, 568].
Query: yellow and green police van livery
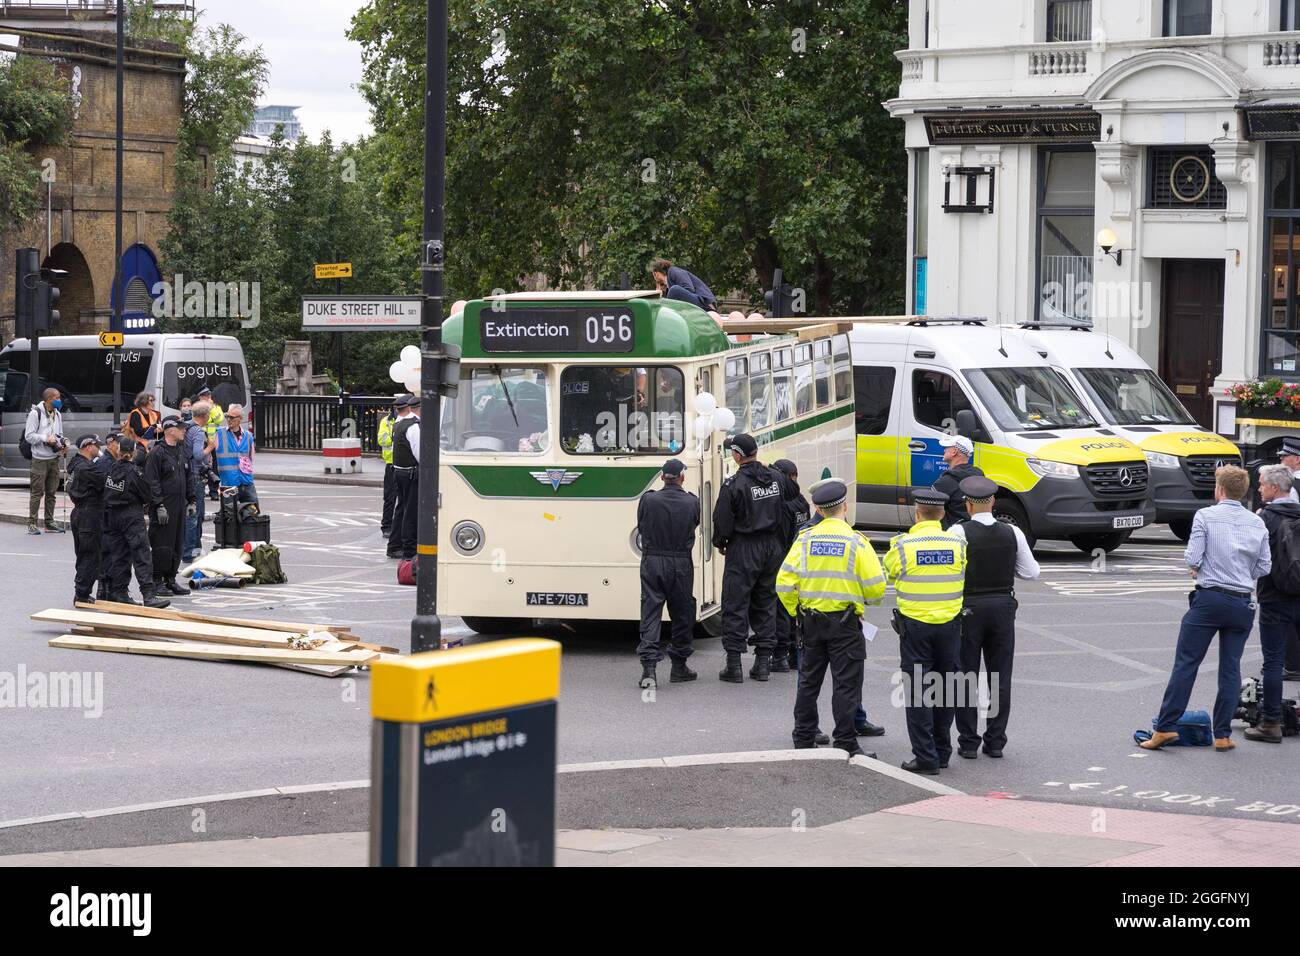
[1123, 392]
[1061, 472]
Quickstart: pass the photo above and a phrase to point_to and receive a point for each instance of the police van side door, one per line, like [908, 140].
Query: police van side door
[933, 399]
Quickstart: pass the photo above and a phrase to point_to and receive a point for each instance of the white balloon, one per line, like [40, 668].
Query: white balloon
[412, 384]
[737, 316]
[458, 306]
[411, 356]
[724, 419]
[705, 404]
[703, 427]
[397, 372]
[716, 317]
[755, 316]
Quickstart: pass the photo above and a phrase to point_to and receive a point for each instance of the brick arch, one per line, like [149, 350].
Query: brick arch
[76, 290]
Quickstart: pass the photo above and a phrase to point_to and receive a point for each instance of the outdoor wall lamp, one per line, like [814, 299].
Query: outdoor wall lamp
[1108, 240]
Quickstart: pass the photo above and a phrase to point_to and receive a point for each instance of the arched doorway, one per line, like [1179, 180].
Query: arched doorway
[140, 274]
[76, 290]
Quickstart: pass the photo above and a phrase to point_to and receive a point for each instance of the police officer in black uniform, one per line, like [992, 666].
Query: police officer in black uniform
[798, 513]
[125, 495]
[406, 468]
[957, 452]
[108, 454]
[85, 486]
[666, 521]
[996, 554]
[171, 496]
[748, 522]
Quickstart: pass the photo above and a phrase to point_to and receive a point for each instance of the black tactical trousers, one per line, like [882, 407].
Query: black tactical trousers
[406, 514]
[390, 500]
[667, 580]
[988, 630]
[834, 641]
[167, 541]
[930, 658]
[128, 546]
[87, 544]
[749, 592]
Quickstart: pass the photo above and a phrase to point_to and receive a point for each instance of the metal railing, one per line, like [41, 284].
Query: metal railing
[303, 422]
[1069, 21]
[74, 8]
[1064, 295]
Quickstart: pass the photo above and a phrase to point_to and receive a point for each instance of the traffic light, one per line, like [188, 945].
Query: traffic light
[46, 315]
[27, 272]
[783, 300]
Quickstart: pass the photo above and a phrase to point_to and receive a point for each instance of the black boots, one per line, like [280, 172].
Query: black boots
[648, 676]
[681, 672]
[173, 587]
[780, 663]
[123, 598]
[732, 673]
[151, 599]
[762, 666]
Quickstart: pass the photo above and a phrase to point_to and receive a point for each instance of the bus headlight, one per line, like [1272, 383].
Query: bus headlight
[467, 538]
[635, 540]
[1052, 469]
[1160, 460]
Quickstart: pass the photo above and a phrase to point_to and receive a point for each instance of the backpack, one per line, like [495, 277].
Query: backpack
[1194, 730]
[266, 565]
[24, 446]
[1285, 575]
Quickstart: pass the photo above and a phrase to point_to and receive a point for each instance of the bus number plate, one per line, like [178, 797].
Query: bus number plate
[1136, 521]
[556, 599]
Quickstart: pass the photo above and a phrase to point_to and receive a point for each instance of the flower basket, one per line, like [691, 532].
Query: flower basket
[1268, 399]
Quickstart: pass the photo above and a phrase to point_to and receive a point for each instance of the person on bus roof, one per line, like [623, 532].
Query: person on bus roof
[674, 282]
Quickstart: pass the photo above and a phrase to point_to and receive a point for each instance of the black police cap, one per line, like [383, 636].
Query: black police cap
[86, 440]
[928, 496]
[673, 467]
[830, 493]
[978, 488]
[1290, 446]
[742, 443]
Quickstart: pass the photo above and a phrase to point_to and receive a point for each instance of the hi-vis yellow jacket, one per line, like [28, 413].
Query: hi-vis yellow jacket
[829, 568]
[928, 568]
[386, 438]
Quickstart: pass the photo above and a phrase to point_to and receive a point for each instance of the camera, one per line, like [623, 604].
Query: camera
[1252, 699]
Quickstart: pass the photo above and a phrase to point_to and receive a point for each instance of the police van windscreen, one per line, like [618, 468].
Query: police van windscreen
[1029, 399]
[185, 380]
[1133, 396]
[84, 378]
[498, 409]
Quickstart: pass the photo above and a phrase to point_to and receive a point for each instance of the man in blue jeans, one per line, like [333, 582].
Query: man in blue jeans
[674, 282]
[1227, 552]
[1279, 596]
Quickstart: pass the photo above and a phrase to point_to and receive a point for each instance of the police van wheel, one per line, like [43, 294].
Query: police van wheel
[1108, 541]
[1011, 512]
[495, 625]
[1182, 528]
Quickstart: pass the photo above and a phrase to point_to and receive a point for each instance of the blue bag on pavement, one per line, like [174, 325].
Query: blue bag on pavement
[1194, 730]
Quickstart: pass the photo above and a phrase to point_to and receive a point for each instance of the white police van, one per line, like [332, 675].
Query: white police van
[171, 366]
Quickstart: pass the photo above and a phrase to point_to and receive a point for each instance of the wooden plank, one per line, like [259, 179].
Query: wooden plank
[214, 652]
[190, 630]
[321, 670]
[113, 607]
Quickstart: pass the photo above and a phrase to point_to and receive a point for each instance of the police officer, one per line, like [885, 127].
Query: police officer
[828, 577]
[747, 525]
[785, 654]
[125, 495]
[390, 477]
[996, 554]
[85, 486]
[171, 501]
[957, 452]
[666, 521]
[104, 461]
[406, 465]
[928, 568]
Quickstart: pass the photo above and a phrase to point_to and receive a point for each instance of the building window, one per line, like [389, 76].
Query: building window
[1188, 18]
[1069, 21]
[1066, 197]
[1281, 318]
[1183, 177]
[920, 230]
[1289, 19]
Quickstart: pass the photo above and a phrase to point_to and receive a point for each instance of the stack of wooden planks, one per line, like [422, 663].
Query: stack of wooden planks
[324, 649]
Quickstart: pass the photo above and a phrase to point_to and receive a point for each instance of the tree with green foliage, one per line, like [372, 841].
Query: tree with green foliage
[35, 114]
[585, 137]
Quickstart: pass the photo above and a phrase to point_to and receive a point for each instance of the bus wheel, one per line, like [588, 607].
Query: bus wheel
[709, 628]
[1182, 528]
[1011, 512]
[495, 625]
[1107, 541]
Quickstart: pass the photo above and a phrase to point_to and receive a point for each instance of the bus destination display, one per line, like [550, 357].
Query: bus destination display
[557, 330]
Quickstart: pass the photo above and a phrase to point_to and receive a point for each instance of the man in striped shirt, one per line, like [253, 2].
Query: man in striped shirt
[1227, 552]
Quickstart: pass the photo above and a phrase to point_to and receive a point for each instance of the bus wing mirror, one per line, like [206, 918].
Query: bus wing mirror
[449, 379]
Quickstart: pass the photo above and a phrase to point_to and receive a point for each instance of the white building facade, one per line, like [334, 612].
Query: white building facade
[1129, 162]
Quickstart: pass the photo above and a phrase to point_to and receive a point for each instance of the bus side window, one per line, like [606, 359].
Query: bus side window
[783, 384]
[803, 380]
[843, 369]
[760, 391]
[936, 400]
[823, 367]
[874, 389]
[738, 393]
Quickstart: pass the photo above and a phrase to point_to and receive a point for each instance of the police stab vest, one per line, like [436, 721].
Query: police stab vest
[991, 558]
[403, 457]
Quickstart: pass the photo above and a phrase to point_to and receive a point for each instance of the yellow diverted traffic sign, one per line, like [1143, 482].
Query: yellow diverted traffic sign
[111, 340]
[334, 270]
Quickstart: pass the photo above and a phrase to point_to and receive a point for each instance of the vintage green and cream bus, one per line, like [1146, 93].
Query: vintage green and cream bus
[568, 405]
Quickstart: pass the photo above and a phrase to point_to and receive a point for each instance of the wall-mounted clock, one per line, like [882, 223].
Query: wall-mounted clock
[1189, 179]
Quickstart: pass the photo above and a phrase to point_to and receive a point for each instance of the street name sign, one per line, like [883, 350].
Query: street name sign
[361, 313]
[334, 270]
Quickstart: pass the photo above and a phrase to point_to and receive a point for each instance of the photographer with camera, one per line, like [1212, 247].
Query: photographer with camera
[1279, 594]
[43, 436]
